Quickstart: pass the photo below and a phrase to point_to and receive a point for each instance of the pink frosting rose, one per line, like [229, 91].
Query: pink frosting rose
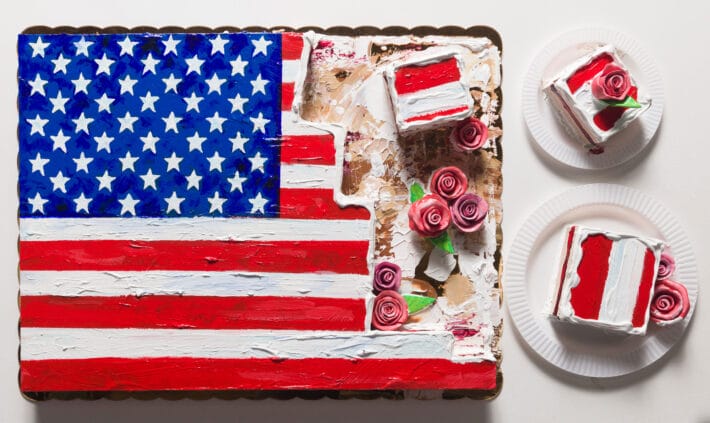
[613, 83]
[449, 182]
[388, 276]
[469, 212]
[666, 266]
[670, 302]
[469, 135]
[429, 216]
[389, 311]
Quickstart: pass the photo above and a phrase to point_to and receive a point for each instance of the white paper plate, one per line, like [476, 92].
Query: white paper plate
[532, 263]
[543, 122]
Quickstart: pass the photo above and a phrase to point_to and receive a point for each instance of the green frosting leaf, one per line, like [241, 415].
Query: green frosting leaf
[416, 192]
[443, 241]
[628, 102]
[416, 303]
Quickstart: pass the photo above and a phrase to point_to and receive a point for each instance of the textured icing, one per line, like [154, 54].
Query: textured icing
[358, 105]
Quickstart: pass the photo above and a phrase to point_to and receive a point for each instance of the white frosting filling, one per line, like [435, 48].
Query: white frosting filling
[430, 101]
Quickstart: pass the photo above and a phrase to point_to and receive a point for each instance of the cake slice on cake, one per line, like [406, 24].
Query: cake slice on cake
[596, 97]
[606, 279]
[429, 90]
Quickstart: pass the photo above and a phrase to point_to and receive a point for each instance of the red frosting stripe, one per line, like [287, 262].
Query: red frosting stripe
[588, 71]
[291, 46]
[648, 277]
[430, 116]
[586, 297]
[194, 312]
[159, 374]
[308, 149]
[409, 79]
[316, 203]
[252, 256]
[287, 95]
[570, 237]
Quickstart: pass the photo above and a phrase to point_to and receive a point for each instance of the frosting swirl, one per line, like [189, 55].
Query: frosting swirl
[670, 302]
[449, 182]
[389, 311]
[613, 83]
[666, 266]
[469, 212]
[388, 276]
[429, 216]
[469, 135]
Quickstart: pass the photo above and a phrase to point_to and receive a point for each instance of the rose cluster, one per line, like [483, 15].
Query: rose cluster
[390, 309]
[670, 302]
[448, 203]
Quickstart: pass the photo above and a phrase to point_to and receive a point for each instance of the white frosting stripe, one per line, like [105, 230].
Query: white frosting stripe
[213, 284]
[68, 343]
[307, 176]
[291, 71]
[626, 261]
[432, 100]
[191, 229]
[291, 124]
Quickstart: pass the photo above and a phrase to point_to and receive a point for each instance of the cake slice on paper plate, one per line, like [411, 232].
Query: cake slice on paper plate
[596, 97]
[606, 279]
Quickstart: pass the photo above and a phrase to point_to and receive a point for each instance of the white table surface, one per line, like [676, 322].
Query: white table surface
[673, 169]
